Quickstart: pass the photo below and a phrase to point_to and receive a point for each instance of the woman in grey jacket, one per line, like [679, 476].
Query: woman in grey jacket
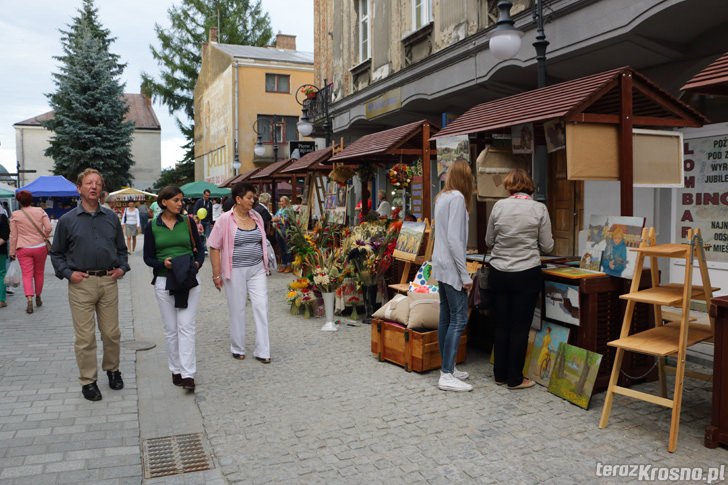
[448, 267]
[518, 228]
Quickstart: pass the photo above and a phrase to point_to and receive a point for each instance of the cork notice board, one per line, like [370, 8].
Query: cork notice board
[592, 152]
[658, 158]
[492, 165]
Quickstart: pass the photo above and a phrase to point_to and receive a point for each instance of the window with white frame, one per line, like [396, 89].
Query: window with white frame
[421, 13]
[364, 47]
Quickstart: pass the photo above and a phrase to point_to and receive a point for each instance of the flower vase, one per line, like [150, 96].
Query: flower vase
[354, 313]
[329, 299]
[370, 302]
[306, 311]
[294, 309]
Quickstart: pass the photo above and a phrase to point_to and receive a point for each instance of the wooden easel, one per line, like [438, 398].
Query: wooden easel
[408, 259]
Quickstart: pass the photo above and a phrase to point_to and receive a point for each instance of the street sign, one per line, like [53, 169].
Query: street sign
[302, 146]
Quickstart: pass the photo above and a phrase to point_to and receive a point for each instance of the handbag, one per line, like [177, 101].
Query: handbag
[192, 239]
[45, 239]
[272, 263]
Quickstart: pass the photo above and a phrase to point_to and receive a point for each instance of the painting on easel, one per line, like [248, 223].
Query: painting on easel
[409, 240]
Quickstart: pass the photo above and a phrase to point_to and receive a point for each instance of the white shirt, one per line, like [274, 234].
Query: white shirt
[384, 209]
[131, 217]
[216, 211]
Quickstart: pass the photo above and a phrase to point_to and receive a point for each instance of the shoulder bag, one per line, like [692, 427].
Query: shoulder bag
[189, 230]
[45, 239]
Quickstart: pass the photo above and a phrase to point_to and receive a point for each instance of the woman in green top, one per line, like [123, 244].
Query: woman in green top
[170, 242]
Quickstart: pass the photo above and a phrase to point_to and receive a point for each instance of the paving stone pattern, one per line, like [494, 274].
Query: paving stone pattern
[324, 411]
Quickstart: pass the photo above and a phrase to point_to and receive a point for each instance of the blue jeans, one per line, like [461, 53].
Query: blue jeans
[283, 246]
[453, 319]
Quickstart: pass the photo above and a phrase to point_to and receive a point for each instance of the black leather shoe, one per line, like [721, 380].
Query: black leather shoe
[177, 379]
[91, 392]
[115, 380]
[188, 383]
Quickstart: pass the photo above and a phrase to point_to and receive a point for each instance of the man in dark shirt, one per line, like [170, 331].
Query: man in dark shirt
[88, 250]
[205, 203]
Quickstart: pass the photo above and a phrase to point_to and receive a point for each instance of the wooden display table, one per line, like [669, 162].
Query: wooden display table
[717, 431]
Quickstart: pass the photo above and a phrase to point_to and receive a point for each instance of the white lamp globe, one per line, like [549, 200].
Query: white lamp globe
[259, 150]
[304, 127]
[506, 43]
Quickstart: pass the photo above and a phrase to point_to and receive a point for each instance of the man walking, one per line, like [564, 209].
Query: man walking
[89, 251]
[205, 203]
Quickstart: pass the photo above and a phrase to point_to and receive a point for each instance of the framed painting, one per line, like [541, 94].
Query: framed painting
[612, 236]
[543, 353]
[409, 240]
[561, 302]
[574, 374]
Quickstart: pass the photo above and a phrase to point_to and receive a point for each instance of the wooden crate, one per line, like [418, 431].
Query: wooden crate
[414, 350]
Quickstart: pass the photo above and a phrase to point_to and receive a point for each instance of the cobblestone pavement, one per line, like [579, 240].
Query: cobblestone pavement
[324, 411]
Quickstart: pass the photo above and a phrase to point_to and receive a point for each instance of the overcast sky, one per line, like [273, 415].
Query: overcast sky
[29, 39]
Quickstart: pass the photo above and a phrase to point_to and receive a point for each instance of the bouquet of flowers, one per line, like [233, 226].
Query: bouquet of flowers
[400, 175]
[370, 250]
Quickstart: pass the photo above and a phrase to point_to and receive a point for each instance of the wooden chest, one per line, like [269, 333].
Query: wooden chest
[412, 349]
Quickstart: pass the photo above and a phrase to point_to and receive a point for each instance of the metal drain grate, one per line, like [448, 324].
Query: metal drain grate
[174, 455]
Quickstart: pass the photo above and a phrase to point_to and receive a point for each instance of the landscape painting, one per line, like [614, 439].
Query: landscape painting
[409, 240]
[543, 353]
[611, 237]
[561, 302]
[574, 374]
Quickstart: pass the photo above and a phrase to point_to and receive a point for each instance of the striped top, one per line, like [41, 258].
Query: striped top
[248, 250]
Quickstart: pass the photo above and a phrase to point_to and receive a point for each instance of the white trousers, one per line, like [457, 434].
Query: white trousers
[179, 328]
[248, 282]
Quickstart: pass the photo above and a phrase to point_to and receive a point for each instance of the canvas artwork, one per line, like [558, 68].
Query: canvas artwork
[561, 302]
[537, 314]
[574, 374]
[409, 240]
[522, 138]
[612, 236]
[338, 215]
[555, 135]
[543, 355]
[449, 149]
[591, 261]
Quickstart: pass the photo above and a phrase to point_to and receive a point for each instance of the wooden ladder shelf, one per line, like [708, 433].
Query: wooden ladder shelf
[670, 336]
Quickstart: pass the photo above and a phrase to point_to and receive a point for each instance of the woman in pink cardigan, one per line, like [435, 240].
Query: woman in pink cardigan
[29, 231]
[239, 257]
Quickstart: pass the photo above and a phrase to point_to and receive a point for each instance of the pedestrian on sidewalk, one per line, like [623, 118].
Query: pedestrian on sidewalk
[173, 247]
[29, 231]
[281, 223]
[518, 228]
[89, 251]
[132, 225]
[239, 253]
[4, 236]
[448, 267]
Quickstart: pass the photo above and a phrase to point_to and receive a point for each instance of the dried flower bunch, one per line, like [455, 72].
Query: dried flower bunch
[400, 175]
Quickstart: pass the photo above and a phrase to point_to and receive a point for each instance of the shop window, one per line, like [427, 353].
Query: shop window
[277, 83]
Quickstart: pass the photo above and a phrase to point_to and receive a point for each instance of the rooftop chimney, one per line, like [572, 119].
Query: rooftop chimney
[213, 34]
[284, 41]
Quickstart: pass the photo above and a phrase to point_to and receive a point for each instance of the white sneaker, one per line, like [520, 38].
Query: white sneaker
[448, 382]
[459, 374]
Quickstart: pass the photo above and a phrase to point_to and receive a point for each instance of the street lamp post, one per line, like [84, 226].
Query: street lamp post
[505, 42]
[314, 106]
[259, 149]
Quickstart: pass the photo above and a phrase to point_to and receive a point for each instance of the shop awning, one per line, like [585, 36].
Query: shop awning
[130, 193]
[239, 178]
[196, 189]
[596, 98]
[51, 186]
[711, 80]
[310, 161]
[271, 171]
[387, 145]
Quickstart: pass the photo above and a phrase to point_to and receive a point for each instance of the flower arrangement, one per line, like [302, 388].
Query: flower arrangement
[300, 295]
[400, 175]
[370, 250]
[308, 90]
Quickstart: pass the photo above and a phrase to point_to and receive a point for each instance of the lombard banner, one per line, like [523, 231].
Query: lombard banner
[703, 202]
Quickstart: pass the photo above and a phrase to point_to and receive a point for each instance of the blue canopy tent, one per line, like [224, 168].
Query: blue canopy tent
[51, 186]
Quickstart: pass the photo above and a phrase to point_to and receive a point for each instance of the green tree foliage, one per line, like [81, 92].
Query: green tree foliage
[88, 125]
[241, 22]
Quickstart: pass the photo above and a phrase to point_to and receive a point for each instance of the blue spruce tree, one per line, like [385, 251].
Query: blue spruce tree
[88, 124]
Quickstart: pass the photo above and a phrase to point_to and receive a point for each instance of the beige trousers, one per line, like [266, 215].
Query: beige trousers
[96, 298]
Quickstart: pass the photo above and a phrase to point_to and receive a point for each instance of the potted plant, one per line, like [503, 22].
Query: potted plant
[309, 91]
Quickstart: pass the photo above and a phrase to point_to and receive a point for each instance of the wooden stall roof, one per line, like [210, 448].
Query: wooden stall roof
[595, 98]
[271, 171]
[238, 178]
[386, 145]
[711, 80]
[310, 161]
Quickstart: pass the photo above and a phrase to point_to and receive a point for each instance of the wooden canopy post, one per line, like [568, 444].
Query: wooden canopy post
[426, 182]
[626, 124]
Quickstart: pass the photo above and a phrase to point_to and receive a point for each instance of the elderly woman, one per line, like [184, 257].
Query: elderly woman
[385, 208]
[280, 224]
[171, 245]
[519, 229]
[29, 232]
[239, 258]
[448, 267]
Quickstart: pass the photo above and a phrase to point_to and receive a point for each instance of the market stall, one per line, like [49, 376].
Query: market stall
[194, 190]
[311, 167]
[270, 178]
[54, 193]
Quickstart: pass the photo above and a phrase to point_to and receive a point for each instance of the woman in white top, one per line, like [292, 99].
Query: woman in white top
[448, 267]
[132, 227]
[519, 229]
[385, 208]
